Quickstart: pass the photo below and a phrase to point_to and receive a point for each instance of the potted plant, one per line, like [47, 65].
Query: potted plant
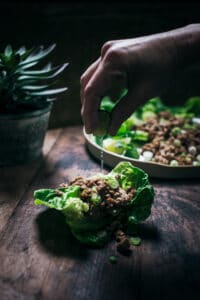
[26, 94]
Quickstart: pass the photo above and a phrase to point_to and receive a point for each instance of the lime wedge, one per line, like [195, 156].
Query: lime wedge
[103, 123]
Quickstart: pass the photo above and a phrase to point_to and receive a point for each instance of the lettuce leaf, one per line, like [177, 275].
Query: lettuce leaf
[56, 198]
[192, 105]
[107, 104]
[141, 205]
[130, 175]
[71, 206]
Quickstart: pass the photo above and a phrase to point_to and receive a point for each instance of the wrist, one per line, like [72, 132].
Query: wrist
[187, 46]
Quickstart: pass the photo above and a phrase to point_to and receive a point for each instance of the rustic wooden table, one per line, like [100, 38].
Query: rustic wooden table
[39, 259]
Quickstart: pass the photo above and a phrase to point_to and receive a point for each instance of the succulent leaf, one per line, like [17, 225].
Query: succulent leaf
[49, 73]
[34, 87]
[8, 51]
[22, 50]
[49, 92]
[38, 55]
[28, 65]
[22, 85]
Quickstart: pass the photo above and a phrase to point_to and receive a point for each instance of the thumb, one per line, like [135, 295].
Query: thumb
[123, 109]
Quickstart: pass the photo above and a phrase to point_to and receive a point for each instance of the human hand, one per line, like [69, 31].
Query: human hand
[144, 66]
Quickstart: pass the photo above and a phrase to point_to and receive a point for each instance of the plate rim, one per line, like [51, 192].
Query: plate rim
[173, 171]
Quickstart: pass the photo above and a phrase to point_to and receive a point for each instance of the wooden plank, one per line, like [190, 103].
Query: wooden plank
[14, 180]
[40, 259]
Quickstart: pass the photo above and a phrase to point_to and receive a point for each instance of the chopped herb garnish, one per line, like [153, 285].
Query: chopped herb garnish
[135, 241]
[113, 259]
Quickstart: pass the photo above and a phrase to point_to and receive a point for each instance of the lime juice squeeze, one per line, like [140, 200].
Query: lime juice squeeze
[101, 131]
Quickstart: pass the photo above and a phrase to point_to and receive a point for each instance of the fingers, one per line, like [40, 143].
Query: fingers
[87, 75]
[93, 92]
[120, 113]
[104, 76]
[125, 108]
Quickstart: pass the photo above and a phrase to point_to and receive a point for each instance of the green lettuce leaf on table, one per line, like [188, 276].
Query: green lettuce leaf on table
[94, 231]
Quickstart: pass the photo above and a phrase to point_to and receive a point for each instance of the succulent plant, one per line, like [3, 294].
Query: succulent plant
[24, 84]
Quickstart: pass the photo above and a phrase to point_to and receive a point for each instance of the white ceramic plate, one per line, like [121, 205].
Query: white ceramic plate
[153, 169]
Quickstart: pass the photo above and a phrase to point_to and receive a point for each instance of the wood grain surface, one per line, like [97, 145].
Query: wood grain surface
[39, 258]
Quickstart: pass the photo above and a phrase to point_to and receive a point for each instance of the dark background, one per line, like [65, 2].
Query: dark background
[79, 28]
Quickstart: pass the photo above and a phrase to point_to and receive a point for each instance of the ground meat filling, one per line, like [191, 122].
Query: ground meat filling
[113, 202]
[110, 197]
[172, 138]
[123, 243]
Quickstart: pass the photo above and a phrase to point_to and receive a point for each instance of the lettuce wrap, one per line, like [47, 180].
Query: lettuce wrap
[94, 208]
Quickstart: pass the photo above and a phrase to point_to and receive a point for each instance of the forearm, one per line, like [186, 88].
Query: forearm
[144, 65]
[187, 45]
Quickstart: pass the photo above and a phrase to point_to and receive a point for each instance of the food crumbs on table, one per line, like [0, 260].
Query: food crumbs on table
[123, 243]
[135, 241]
[113, 259]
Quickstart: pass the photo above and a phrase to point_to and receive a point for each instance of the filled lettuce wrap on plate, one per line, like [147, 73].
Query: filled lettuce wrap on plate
[98, 207]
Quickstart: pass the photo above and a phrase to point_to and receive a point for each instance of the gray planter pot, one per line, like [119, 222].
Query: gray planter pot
[22, 136]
